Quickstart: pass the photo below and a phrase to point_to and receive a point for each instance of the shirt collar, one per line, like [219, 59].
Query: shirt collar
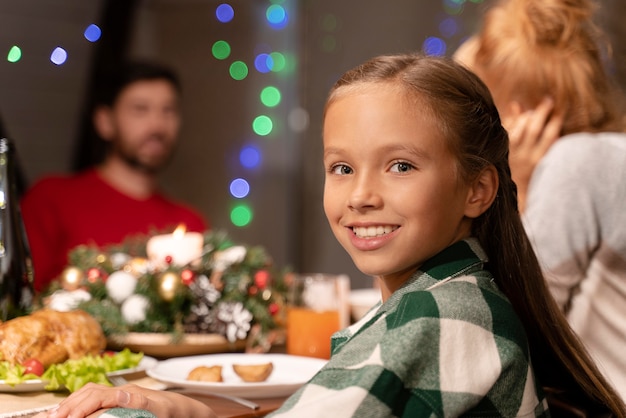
[460, 258]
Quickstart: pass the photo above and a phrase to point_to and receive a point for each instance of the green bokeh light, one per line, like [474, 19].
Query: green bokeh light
[330, 23]
[241, 215]
[15, 54]
[279, 61]
[221, 50]
[270, 96]
[454, 8]
[262, 125]
[238, 70]
[329, 43]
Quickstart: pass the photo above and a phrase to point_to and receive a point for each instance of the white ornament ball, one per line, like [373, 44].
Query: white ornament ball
[64, 300]
[118, 260]
[134, 309]
[120, 285]
[226, 258]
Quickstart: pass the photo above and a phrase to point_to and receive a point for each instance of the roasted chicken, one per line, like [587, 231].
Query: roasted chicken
[50, 337]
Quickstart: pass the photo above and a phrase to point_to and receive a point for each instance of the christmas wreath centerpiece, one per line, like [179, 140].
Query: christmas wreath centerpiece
[227, 289]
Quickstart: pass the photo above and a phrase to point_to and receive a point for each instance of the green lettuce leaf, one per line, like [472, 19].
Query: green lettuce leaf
[74, 374]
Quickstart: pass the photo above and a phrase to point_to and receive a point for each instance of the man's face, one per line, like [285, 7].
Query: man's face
[144, 123]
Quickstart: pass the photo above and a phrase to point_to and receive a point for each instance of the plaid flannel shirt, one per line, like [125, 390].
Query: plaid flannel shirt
[446, 344]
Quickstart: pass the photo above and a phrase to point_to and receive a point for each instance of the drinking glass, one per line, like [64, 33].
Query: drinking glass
[317, 307]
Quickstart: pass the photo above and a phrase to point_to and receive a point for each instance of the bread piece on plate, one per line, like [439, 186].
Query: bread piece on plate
[253, 372]
[206, 374]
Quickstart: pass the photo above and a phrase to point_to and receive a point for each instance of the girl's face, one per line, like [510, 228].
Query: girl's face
[392, 195]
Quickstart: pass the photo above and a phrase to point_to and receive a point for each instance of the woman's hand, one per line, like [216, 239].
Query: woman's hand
[531, 134]
[93, 398]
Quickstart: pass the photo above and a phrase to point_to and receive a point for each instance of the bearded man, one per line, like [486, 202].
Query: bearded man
[138, 117]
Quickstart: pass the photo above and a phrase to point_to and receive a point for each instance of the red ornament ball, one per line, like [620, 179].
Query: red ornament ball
[93, 275]
[169, 259]
[253, 290]
[261, 278]
[187, 277]
[274, 308]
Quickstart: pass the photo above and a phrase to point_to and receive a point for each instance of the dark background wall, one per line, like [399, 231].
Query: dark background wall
[42, 105]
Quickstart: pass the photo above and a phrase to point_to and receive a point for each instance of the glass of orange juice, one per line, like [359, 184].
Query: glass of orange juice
[317, 307]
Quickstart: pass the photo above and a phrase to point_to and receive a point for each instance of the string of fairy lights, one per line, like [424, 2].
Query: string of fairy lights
[276, 17]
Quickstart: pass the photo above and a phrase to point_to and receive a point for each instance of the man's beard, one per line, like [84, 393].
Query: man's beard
[133, 158]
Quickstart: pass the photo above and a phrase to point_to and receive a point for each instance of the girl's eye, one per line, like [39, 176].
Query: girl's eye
[401, 167]
[341, 169]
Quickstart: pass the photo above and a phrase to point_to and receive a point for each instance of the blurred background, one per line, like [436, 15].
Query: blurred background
[255, 74]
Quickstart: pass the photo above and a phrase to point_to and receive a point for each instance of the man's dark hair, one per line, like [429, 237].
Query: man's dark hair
[117, 78]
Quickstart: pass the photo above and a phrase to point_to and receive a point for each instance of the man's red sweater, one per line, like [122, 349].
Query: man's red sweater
[61, 213]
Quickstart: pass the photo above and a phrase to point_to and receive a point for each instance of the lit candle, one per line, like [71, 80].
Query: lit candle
[183, 247]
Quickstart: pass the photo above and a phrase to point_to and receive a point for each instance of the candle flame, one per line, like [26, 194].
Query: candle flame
[179, 231]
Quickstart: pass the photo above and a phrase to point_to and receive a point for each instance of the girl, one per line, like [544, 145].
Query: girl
[418, 191]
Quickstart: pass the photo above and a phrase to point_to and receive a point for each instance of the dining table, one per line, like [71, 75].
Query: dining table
[28, 404]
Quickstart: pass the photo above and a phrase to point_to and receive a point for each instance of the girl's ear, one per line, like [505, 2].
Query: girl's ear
[103, 122]
[482, 192]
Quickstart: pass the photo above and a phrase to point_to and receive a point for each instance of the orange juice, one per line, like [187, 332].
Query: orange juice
[309, 331]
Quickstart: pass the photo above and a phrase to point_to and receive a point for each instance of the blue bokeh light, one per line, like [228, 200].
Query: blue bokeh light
[264, 63]
[92, 33]
[224, 13]
[239, 188]
[434, 46]
[58, 56]
[276, 16]
[448, 27]
[250, 156]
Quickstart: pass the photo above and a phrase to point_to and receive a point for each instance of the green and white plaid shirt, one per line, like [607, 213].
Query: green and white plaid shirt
[446, 344]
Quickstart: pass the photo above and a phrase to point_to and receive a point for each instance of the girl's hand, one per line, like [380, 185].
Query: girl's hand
[531, 134]
[93, 398]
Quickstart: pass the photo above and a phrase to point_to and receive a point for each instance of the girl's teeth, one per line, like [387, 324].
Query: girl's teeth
[372, 231]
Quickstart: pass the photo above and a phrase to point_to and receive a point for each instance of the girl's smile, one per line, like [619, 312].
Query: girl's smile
[372, 231]
[372, 237]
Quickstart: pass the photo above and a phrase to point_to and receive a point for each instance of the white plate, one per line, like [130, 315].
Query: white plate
[36, 385]
[289, 373]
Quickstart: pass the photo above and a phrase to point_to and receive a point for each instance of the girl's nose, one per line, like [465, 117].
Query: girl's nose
[365, 195]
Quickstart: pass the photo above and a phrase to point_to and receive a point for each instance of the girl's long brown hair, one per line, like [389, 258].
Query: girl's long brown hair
[469, 121]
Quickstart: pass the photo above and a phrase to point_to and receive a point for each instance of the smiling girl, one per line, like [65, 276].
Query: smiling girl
[418, 191]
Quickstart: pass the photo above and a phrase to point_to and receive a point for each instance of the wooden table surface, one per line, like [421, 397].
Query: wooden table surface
[29, 403]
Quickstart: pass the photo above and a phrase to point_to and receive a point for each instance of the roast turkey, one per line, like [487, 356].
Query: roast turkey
[50, 337]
